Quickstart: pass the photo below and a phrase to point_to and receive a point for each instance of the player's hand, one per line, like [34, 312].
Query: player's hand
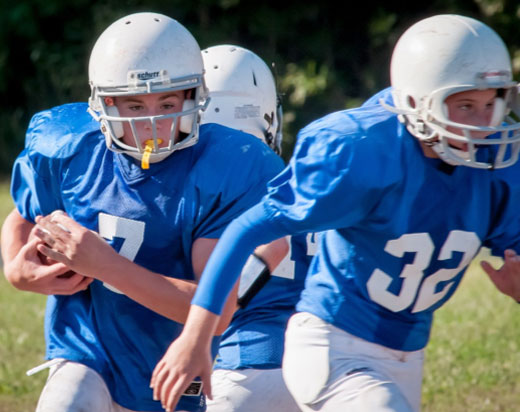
[32, 272]
[507, 278]
[183, 361]
[70, 243]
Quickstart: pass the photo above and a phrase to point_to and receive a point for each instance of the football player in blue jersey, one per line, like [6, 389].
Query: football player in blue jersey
[247, 376]
[139, 173]
[406, 196]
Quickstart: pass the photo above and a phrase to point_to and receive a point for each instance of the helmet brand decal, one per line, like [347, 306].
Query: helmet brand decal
[246, 111]
[147, 75]
[495, 73]
[494, 77]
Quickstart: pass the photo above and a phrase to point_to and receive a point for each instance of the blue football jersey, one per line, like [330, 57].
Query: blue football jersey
[400, 228]
[150, 216]
[385, 95]
[255, 336]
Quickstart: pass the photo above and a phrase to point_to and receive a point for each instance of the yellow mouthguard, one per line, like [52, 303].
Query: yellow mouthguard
[145, 161]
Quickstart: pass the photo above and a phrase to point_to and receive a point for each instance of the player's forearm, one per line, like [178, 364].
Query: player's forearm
[239, 240]
[201, 325]
[15, 233]
[167, 296]
[229, 310]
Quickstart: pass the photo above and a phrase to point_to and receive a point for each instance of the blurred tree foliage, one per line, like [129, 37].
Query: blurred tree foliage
[325, 59]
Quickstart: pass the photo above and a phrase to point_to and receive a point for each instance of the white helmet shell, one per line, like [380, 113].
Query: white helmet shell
[447, 54]
[242, 93]
[146, 53]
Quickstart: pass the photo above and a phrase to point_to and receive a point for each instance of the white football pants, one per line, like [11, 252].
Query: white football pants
[328, 369]
[250, 390]
[74, 387]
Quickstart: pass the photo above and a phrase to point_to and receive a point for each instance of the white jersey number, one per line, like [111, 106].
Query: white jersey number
[458, 241]
[131, 231]
[287, 266]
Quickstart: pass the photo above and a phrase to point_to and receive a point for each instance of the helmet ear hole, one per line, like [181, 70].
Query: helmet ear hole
[117, 127]
[186, 122]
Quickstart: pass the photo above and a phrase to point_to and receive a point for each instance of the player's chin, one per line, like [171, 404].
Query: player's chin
[480, 135]
[463, 147]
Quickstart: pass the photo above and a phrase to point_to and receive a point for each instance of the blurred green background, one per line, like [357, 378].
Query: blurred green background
[326, 59]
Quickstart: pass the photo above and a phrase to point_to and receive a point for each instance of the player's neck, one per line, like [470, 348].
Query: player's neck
[428, 151]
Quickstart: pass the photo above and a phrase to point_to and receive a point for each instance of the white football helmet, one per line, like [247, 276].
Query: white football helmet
[447, 54]
[146, 53]
[242, 93]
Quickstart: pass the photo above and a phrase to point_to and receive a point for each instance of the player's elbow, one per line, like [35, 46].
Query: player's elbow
[13, 276]
[273, 253]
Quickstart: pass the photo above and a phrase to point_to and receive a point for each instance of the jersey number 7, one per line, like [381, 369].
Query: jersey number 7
[131, 231]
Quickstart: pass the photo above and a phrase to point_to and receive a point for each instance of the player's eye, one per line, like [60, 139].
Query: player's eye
[135, 107]
[168, 106]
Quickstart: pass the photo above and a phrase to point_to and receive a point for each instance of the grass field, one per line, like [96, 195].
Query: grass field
[472, 364]
[473, 359]
[21, 338]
